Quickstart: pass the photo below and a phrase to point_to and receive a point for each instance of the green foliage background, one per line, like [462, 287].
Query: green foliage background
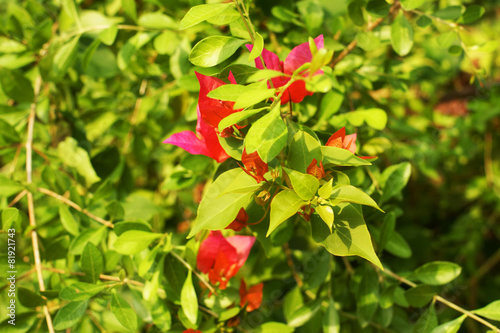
[112, 79]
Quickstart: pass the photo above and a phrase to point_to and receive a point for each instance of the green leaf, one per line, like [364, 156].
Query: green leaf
[331, 319]
[472, 13]
[217, 211]
[231, 92]
[349, 193]
[283, 206]
[91, 262]
[237, 117]
[68, 221]
[89, 53]
[29, 298]
[367, 41]
[16, 86]
[253, 97]
[263, 74]
[123, 312]
[490, 311]
[213, 50]
[350, 236]
[445, 40]
[449, 13]
[330, 104]
[227, 16]
[258, 46]
[424, 21]
[427, 321]
[367, 297]
[134, 241]
[161, 316]
[241, 184]
[228, 314]
[69, 314]
[419, 296]
[387, 230]
[80, 291]
[355, 10]
[108, 35]
[412, 4]
[395, 179]
[76, 157]
[303, 314]
[65, 57]
[326, 190]
[11, 219]
[130, 9]
[138, 224]
[131, 47]
[451, 326]
[201, 13]
[303, 184]
[396, 244]
[273, 327]
[267, 136]
[341, 157]
[438, 272]
[303, 149]
[292, 302]
[326, 214]
[312, 14]
[401, 35]
[157, 20]
[378, 8]
[148, 261]
[189, 300]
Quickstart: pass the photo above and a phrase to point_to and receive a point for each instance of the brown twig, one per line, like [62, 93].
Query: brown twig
[188, 266]
[18, 197]
[444, 301]
[395, 7]
[289, 260]
[31, 204]
[75, 206]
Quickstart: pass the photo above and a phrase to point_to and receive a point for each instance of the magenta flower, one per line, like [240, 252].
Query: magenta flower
[297, 57]
[203, 142]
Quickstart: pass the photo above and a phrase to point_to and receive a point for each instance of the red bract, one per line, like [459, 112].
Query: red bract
[204, 142]
[315, 170]
[254, 165]
[214, 110]
[297, 57]
[340, 140]
[251, 297]
[190, 330]
[221, 258]
[240, 221]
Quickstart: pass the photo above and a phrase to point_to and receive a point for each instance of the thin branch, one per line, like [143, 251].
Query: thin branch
[18, 197]
[395, 7]
[289, 260]
[444, 301]
[466, 312]
[31, 204]
[188, 266]
[75, 206]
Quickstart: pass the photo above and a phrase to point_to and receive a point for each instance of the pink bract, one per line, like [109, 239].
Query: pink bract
[203, 142]
[297, 57]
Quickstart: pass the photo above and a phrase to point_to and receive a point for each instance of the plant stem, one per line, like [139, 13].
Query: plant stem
[289, 260]
[444, 301]
[31, 203]
[395, 7]
[188, 266]
[75, 206]
[18, 197]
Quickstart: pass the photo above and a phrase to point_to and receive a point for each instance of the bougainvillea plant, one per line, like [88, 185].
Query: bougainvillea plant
[240, 166]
